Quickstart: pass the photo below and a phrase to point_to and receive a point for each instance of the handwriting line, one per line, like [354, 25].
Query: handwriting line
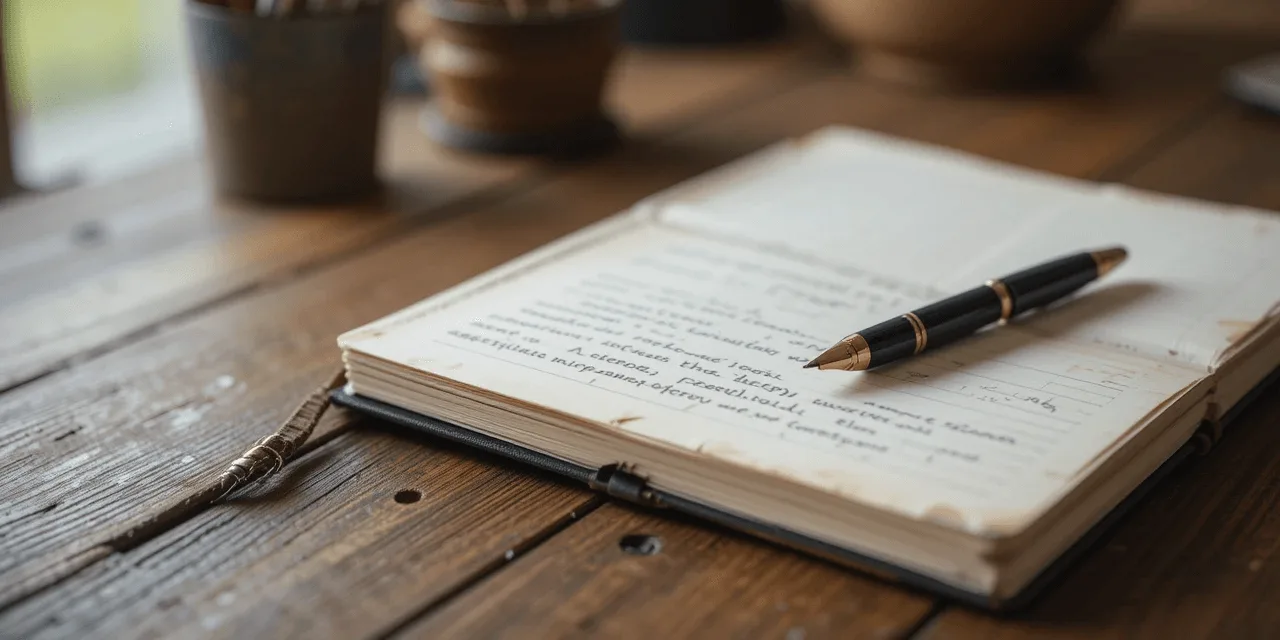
[874, 462]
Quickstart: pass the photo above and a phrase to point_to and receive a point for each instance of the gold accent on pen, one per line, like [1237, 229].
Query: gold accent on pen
[851, 354]
[1006, 299]
[1048, 282]
[1108, 259]
[922, 334]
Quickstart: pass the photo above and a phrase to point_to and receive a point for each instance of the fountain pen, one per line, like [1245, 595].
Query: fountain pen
[965, 313]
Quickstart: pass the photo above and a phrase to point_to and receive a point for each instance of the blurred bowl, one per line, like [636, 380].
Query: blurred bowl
[965, 43]
[532, 83]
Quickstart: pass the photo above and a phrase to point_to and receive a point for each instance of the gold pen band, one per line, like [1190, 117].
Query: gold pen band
[922, 334]
[1006, 300]
[970, 311]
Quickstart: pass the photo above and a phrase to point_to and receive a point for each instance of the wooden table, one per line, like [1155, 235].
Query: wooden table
[149, 332]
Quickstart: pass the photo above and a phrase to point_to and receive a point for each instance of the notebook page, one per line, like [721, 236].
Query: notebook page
[698, 343]
[872, 202]
[1199, 277]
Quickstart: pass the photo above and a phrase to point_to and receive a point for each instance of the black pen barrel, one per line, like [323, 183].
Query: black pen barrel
[938, 324]
[967, 313]
[1045, 283]
[960, 315]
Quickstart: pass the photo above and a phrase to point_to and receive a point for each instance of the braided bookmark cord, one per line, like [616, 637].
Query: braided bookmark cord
[270, 454]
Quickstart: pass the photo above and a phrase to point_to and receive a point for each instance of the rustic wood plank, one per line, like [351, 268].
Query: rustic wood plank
[400, 522]
[594, 580]
[154, 246]
[174, 408]
[205, 386]
[1200, 558]
[197, 392]
[1232, 158]
[119, 415]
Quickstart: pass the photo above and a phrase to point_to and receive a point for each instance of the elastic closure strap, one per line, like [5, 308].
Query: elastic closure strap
[619, 483]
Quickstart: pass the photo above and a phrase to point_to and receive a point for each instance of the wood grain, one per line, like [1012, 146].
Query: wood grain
[102, 445]
[97, 448]
[1233, 158]
[87, 453]
[590, 581]
[114, 425]
[1199, 558]
[142, 251]
[401, 523]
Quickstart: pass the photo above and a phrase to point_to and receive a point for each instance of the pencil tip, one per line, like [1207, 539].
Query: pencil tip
[811, 364]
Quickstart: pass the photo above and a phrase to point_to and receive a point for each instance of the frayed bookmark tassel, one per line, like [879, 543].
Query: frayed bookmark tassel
[270, 454]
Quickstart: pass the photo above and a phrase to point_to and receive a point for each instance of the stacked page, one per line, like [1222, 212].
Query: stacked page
[672, 337]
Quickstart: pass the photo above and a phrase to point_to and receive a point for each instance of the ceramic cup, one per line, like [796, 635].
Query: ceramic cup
[291, 106]
[532, 84]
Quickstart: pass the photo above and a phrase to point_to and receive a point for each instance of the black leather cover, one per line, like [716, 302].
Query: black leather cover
[615, 481]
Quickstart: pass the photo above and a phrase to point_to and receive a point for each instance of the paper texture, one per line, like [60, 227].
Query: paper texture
[698, 344]
[689, 325]
[1199, 276]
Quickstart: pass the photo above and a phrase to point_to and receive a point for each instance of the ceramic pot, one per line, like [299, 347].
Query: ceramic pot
[291, 107]
[532, 84]
[965, 43]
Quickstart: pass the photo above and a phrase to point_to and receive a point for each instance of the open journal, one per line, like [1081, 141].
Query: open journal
[665, 348]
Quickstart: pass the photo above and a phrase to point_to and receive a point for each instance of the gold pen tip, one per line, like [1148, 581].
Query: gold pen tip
[1108, 259]
[850, 354]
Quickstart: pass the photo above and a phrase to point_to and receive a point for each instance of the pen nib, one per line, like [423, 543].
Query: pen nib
[1108, 259]
[850, 354]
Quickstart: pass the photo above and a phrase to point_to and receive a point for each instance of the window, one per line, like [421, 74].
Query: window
[99, 88]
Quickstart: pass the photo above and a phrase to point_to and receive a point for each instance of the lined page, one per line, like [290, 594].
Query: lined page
[872, 202]
[698, 343]
[1200, 276]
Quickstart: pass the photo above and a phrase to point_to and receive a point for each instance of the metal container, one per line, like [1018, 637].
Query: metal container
[291, 105]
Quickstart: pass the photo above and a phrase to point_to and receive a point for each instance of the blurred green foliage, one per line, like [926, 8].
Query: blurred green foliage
[62, 52]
